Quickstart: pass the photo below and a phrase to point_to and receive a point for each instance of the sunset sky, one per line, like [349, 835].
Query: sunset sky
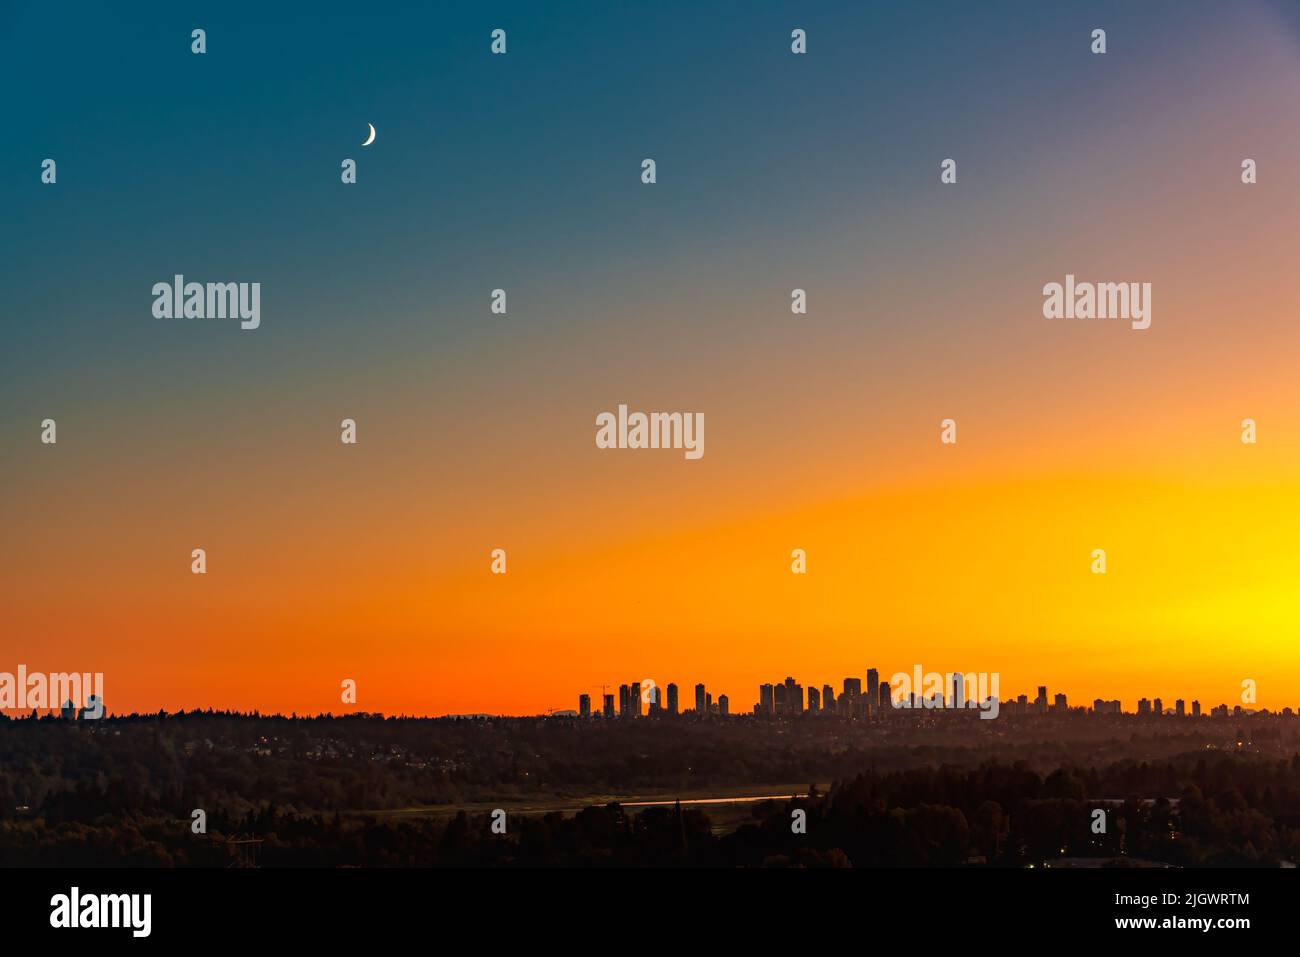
[476, 431]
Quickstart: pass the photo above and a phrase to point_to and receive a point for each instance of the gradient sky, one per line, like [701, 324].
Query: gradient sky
[476, 431]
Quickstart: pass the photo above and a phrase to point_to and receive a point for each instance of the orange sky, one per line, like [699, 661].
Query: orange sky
[371, 562]
[973, 558]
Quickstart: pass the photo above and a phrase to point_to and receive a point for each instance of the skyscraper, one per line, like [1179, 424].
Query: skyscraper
[724, 705]
[584, 706]
[766, 701]
[873, 684]
[672, 698]
[793, 697]
[609, 706]
[814, 700]
[1040, 703]
[701, 707]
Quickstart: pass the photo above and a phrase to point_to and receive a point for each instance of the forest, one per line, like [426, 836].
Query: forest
[331, 792]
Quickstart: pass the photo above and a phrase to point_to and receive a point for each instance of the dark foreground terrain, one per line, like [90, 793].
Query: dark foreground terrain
[925, 790]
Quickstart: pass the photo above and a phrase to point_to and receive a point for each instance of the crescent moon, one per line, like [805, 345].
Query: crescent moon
[371, 138]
